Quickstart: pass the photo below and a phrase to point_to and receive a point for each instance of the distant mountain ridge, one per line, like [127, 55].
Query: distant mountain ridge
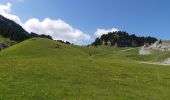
[14, 31]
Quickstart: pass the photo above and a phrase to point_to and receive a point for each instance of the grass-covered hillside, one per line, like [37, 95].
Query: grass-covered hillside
[3, 39]
[42, 69]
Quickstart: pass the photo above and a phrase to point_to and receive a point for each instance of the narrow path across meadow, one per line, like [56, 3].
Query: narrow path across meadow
[154, 63]
[127, 49]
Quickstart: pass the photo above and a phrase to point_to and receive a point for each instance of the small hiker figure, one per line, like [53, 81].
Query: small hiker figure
[90, 54]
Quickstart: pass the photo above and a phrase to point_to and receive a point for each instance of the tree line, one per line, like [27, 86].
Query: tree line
[123, 39]
[65, 42]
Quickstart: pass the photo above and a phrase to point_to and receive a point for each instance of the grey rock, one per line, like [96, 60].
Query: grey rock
[6, 44]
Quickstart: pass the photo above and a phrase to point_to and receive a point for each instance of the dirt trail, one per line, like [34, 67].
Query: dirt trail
[127, 49]
[154, 63]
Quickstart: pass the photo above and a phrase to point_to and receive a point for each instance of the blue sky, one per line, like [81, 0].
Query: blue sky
[141, 17]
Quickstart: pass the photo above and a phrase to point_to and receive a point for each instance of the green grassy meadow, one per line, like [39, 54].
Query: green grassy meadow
[42, 69]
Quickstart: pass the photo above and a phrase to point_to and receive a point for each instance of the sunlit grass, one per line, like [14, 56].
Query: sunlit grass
[41, 69]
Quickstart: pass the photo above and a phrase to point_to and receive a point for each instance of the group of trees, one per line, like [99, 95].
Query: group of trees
[123, 39]
[65, 42]
[14, 31]
[31, 35]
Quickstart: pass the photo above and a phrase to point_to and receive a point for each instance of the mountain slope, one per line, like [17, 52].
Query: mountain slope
[40, 47]
[12, 30]
[42, 69]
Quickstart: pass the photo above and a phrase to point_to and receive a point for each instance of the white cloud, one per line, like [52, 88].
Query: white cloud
[58, 29]
[5, 10]
[100, 31]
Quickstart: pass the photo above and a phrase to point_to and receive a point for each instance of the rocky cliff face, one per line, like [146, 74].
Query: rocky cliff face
[164, 46]
[161, 46]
